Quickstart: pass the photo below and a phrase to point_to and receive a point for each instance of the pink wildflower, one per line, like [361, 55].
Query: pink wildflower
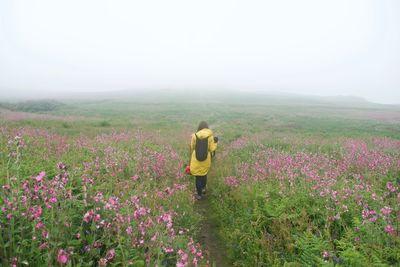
[45, 234]
[110, 254]
[184, 258]
[44, 245]
[98, 197]
[334, 195]
[373, 218]
[386, 211]
[39, 178]
[391, 187]
[325, 254]
[103, 262]
[167, 219]
[231, 181]
[140, 212]
[129, 230]
[36, 212]
[370, 215]
[14, 262]
[154, 237]
[62, 256]
[112, 203]
[389, 229]
[88, 216]
[61, 166]
[168, 250]
[6, 187]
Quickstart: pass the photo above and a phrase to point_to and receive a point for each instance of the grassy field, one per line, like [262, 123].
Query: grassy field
[297, 181]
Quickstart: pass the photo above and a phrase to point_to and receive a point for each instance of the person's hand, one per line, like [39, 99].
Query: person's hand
[215, 139]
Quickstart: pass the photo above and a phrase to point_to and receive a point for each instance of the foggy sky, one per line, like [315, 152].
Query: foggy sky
[340, 47]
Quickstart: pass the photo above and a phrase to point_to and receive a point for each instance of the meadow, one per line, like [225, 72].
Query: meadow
[296, 181]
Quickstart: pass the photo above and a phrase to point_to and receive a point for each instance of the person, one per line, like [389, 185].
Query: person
[200, 160]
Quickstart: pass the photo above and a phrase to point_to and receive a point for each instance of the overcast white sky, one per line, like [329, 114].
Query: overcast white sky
[337, 47]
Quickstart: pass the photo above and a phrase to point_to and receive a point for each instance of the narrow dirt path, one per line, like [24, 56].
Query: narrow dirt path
[214, 247]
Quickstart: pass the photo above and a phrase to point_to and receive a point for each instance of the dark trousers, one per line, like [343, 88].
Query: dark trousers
[201, 182]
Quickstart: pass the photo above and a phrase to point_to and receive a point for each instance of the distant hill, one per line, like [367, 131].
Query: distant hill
[34, 106]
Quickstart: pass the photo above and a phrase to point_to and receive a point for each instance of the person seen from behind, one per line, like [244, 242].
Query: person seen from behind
[202, 148]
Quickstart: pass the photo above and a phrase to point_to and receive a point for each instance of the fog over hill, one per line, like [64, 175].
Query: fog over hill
[193, 96]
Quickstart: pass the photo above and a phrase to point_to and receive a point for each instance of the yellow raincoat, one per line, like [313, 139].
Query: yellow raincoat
[201, 168]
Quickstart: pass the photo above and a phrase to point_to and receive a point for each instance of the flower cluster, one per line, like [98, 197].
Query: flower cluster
[105, 203]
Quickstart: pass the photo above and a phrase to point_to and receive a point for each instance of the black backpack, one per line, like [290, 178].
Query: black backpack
[201, 148]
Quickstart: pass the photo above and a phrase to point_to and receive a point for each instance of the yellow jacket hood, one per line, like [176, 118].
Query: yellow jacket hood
[205, 133]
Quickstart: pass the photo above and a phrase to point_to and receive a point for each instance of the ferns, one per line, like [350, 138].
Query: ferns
[310, 248]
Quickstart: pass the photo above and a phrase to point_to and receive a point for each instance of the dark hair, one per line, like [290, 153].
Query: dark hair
[202, 125]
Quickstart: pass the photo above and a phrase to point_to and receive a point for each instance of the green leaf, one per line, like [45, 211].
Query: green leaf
[139, 263]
